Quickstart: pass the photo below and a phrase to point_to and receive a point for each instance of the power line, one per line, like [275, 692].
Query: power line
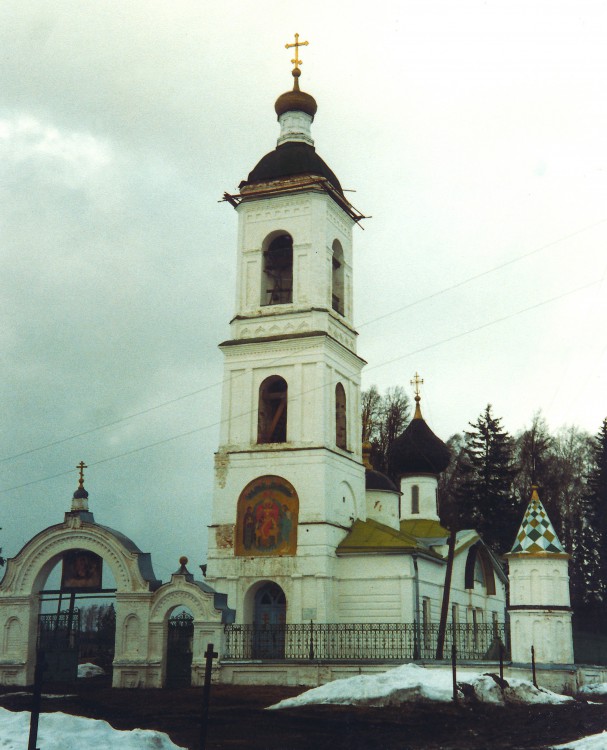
[303, 393]
[216, 384]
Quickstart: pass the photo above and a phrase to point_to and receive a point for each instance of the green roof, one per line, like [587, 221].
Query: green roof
[423, 529]
[371, 536]
[537, 534]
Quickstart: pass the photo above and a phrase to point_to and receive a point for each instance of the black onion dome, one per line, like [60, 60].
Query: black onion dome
[80, 494]
[375, 480]
[419, 451]
[289, 160]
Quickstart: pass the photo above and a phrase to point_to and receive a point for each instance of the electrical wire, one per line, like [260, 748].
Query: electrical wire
[217, 384]
[303, 393]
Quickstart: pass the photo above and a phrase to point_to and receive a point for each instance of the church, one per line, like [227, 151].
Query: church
[317, 563]
[303, 529]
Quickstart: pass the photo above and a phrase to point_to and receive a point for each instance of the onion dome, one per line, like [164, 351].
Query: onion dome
[294, 155]
[375, 480]
[296, 100]
[418, 450]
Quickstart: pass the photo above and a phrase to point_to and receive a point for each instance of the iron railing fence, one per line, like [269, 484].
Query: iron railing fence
[359, 641]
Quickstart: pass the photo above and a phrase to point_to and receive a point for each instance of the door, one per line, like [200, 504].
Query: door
[58, 641]
[270, 618]
[179, 650]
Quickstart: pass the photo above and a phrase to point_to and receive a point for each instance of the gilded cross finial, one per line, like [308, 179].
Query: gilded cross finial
[81, 466]
[296, 62]
[416, 382]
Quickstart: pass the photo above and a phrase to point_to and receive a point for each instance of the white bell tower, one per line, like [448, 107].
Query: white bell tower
[289, 478]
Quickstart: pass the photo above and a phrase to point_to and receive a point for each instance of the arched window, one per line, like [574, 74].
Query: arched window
[479, 570]
[337, 279]
[341, 436]
[415, 499]
[277, 279]
[272, 419]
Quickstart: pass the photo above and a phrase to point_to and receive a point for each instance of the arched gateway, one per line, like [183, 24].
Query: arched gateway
[143, 603]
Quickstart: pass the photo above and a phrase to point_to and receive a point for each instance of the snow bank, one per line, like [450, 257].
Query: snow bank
[89, 670]
[599, 688]
[60, 731]
[412, 683]
[593, 742]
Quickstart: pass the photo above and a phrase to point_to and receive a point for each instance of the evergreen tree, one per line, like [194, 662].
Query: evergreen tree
[594, 532]
[485, 494]
[2, 560]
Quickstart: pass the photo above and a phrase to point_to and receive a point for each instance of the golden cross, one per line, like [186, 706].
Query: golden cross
[297, 45]
[417, 381]
[82, 466]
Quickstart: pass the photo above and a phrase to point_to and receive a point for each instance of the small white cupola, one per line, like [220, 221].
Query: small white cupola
[295, 109]
[417, 458]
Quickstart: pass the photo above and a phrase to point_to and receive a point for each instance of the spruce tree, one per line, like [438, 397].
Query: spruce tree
[594, 538]
[485, 495]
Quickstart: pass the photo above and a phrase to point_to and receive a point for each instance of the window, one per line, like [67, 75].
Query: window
[341, 437]
[414, 499]
[277, 280]
[272, 419]
[337, 279]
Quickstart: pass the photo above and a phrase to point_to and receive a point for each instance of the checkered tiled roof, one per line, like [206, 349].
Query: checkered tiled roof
[537, 533]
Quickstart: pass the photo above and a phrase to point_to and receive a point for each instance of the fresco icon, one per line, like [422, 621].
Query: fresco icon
[267, 514]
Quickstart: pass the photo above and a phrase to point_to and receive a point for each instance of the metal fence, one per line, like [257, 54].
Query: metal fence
[359, 641]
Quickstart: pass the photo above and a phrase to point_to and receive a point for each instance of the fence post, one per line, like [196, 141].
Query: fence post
[311, 639]
[501, 661]
[533, 666]
[36, 700]
[454, 671]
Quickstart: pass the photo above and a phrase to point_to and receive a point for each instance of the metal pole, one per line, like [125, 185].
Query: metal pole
[206, 693]
[454, 671]
[533, 666]
[501, 661]
[36, 700]
[311, 655]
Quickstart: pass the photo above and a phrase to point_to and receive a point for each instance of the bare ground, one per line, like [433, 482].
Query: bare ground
[237, 720]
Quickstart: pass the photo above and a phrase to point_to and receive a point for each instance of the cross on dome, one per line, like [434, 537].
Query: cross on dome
[80, 497]
[416, 382]
[81, 466]
[296, 62]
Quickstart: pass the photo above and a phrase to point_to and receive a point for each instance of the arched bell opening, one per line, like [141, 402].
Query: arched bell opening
[272, 415]
[277, 270]
[337, 279]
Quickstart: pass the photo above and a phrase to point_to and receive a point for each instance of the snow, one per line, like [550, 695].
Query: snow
[411, 682]
[89, 670]
[593, 742]
[59, 731]
[599, 688]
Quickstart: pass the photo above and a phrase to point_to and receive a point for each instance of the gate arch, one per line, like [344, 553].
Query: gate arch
[27, 572]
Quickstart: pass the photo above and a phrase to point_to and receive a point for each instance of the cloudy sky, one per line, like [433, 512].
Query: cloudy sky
[473, 134]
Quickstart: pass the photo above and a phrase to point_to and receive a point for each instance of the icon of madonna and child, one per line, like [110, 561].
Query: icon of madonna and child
[267, 518]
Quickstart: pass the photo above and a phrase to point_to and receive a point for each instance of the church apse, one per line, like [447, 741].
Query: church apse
[267, 515]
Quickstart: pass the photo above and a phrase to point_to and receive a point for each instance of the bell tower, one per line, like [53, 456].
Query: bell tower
[289, 478]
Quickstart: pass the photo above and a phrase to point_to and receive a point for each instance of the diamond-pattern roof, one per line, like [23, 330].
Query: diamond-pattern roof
[537, 533]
